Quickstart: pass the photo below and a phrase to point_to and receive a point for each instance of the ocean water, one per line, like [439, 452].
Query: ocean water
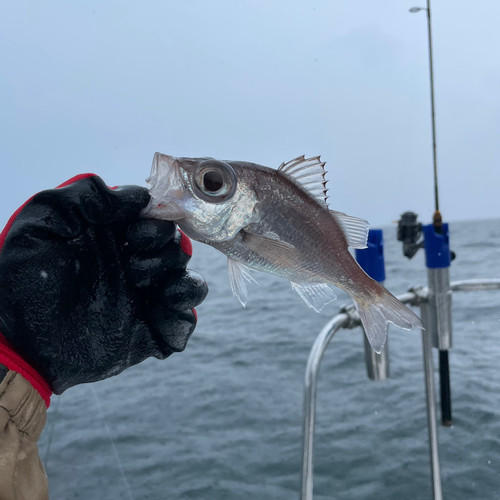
[223, 419]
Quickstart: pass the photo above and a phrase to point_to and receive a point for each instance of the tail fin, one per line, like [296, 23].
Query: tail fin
[387, 309]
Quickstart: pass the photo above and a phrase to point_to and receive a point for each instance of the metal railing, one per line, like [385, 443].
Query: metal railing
[348, 318]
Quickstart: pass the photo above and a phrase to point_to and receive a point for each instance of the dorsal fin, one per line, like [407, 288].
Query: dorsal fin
[309, 174]
[355, 229]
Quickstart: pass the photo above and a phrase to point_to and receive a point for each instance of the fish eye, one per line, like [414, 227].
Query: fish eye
[214, 181]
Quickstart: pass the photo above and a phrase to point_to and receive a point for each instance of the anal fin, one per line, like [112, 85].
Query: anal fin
[315, 295]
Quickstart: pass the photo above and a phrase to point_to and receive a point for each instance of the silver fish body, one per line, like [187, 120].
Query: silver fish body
[275, 221]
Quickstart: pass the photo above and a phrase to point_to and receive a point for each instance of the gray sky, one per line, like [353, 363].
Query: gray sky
[101, 85]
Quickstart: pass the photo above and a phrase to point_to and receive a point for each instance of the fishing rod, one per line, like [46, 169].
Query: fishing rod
[444, 363]
[437, 220]
[438, 256]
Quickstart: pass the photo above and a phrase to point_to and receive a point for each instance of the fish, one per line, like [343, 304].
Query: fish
[276, 221]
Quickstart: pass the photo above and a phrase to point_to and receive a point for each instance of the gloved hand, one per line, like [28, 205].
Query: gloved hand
[89, 288]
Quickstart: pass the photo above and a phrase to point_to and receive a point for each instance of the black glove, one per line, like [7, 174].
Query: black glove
[89, 288]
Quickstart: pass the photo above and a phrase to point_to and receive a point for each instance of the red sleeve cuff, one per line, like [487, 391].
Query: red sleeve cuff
[14, 362]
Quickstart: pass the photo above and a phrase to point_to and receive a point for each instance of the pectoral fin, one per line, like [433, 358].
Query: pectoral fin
[275, 250]
[238, 273]
[315, 295]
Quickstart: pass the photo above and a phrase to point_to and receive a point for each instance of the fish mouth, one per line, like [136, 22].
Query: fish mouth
[167, 189]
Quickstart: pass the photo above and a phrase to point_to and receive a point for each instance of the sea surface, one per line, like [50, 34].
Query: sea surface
[223, 419]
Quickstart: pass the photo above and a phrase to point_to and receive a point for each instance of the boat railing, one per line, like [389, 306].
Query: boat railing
[348, 319]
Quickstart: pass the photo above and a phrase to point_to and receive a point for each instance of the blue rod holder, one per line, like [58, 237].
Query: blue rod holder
[371, 259]
[437, 247]
[439, 328]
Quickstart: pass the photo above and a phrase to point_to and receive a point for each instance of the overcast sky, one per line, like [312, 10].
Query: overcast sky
[101, 85]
